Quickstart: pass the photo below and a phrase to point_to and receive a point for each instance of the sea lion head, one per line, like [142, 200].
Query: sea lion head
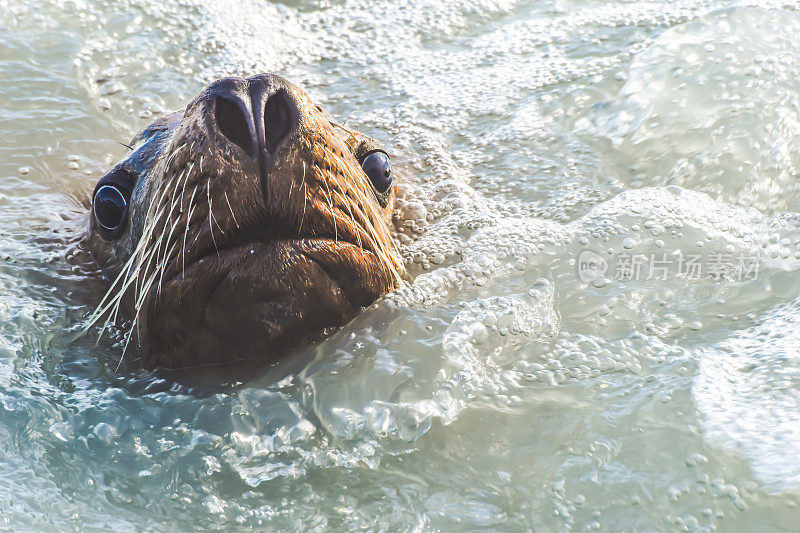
[243, 226]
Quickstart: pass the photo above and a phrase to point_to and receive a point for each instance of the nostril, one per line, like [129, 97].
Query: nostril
[233, 123]
[279, 117]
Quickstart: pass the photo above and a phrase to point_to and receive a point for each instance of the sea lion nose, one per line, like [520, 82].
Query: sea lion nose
[256, 114]
[235, 121]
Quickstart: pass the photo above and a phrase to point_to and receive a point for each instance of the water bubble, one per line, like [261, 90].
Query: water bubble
[104, 432]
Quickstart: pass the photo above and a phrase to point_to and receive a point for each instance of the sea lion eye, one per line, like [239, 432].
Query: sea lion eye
[379, 170]
[110, 210]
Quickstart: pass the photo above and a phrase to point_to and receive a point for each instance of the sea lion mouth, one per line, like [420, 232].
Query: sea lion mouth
[258, 299]
[252, 226]
[334, 256]
[335, 259]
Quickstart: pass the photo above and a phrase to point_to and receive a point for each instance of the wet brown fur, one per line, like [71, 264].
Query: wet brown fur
[236, 259]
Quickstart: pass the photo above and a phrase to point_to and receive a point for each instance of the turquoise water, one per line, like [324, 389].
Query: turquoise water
[598, 208]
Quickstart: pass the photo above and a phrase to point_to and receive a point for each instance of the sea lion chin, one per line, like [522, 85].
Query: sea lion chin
[243, 226]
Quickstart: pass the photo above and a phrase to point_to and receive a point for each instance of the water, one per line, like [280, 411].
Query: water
[505, 388]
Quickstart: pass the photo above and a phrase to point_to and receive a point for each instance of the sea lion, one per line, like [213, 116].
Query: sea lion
[243, 226]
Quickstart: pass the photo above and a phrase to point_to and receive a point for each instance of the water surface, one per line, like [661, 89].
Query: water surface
[501, 389]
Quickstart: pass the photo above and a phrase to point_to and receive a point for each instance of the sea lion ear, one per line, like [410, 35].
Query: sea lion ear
[111, 201]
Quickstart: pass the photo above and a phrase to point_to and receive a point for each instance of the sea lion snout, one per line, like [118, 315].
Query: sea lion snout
[246, 224]
[256, 114]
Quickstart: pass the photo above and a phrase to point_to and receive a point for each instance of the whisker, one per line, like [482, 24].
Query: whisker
[186, 232]
[211, 217]
[330, 205]
[352, 217]
[231, 208]
[305, 199]
[146, 251]
[366, 215]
